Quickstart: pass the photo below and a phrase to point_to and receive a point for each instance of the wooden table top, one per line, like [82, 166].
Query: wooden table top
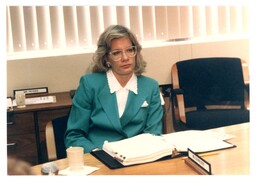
[63, 100]
[233, 161]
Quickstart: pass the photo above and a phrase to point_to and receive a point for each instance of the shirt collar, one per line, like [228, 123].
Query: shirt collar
[114, 85]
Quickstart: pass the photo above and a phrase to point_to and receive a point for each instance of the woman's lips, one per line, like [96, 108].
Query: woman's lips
[126, 66]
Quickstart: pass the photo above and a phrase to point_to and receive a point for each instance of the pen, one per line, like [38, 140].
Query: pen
[208, 154]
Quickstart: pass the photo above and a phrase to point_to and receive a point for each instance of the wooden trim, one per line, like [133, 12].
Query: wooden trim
[246, 77]
[245, 69]
[50, 142]
[180, 97]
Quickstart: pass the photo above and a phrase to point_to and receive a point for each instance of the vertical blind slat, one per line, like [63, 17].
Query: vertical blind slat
[44, 27]
[84, 26]
[161, 22]
[123, 16]
[32, 28]
[236, 19]
[136, 21]
[110, 16]
[97, 24]
[57, 27]
[70, 22]
[186, 22]
[173, 15]
[9, 31]
[149, 23]
[18, 28]
[245, 19]
[199, 25]
[224, 20]
[212, 27]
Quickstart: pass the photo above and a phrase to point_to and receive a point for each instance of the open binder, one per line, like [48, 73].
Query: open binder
[145, 148]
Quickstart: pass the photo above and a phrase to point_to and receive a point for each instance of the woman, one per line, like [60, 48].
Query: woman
[115, 101]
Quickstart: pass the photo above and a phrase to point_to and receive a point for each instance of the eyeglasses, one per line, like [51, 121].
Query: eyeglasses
[116, 55]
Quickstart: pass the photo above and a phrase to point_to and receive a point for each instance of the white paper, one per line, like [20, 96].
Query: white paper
[138, 149]
[85, 171]
[38, 100]
[147, 147]
[196, 140]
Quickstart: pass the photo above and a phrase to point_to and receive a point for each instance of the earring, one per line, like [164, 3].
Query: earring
[108, 64]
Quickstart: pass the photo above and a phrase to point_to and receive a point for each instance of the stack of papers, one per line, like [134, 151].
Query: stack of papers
[139, 149]
[146, 147]
[37, 100]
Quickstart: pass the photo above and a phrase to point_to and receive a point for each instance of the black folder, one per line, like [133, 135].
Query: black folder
[108, 160]
[111, 163]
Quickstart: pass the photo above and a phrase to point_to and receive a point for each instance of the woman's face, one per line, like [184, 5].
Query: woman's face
[125, 66]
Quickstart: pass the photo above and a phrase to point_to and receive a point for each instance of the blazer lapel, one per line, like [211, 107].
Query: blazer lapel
[133, 104]
[105, 99]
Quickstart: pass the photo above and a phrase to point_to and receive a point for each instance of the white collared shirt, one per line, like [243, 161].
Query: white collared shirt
[121, 92]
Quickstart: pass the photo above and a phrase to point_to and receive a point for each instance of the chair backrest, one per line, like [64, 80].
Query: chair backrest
[209, 81]
[54, 133]
[209, 92]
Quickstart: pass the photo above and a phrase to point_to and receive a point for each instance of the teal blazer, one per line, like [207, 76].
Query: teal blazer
[94, 114]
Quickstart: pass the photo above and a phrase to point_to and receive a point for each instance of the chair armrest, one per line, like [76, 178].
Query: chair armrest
[50, 142]
[177, 92]
[247, 96]
[181, 107]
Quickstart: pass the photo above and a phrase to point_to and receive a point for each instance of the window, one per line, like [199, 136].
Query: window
[57, 28]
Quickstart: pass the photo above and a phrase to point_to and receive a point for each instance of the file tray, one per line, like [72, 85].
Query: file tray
[111, 163]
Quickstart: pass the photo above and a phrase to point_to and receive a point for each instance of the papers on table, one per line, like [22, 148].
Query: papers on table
[196, 140]
[146, 147]
[37, 100]
[139, 149]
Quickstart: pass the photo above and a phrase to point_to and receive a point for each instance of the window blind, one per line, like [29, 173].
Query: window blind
[36, 28]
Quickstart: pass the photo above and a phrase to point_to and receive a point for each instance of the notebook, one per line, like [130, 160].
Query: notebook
[146, 147]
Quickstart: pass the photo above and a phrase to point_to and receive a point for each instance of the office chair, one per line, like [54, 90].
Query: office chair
[54, 133]
[209, 93]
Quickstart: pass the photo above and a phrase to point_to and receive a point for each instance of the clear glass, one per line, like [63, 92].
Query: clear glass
[20, 98]
[116, 55]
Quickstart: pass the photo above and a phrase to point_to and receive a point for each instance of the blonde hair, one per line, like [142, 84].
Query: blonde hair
[104, 46]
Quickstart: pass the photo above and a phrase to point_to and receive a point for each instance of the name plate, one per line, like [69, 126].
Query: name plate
[198, 163]
[39, 90]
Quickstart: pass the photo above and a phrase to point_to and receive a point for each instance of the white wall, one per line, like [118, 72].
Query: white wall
[62, 73]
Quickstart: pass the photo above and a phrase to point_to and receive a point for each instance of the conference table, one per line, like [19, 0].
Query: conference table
[231, 161]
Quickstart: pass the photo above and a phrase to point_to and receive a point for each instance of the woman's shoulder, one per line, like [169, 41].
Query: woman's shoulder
[147, 80]
[92, 76]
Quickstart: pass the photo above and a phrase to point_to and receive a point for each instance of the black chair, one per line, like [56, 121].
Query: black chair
[54, 133]
[209, 93]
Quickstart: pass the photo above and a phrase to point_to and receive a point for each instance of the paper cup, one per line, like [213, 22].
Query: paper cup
[75, 157]
[20, 98]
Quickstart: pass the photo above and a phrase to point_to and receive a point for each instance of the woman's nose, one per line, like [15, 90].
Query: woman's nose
[124, 56]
